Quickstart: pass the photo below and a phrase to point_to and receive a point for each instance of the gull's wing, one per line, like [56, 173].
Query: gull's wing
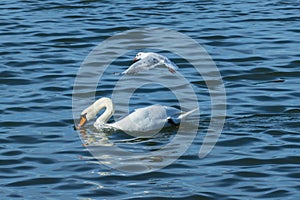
[170, 65]
[142, 65]
[166, 62]
[151, 61]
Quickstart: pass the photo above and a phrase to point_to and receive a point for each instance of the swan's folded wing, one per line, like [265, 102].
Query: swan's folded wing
[143, 120]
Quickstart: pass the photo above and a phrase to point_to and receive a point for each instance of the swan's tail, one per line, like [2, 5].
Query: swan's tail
[176, 120]
[183, 115]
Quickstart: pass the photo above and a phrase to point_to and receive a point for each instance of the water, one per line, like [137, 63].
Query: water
[256, 48]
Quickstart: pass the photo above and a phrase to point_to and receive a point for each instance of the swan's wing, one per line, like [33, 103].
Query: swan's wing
[144, 64]
[172, 112]
[172, 116]
[150, 118]
[143, 120]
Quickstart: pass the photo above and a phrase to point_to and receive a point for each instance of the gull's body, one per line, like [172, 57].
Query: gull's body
[149, 60]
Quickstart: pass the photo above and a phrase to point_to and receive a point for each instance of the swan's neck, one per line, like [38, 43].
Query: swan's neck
[105, 103]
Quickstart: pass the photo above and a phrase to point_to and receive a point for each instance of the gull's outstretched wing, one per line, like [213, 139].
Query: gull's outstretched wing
[170, 65]
[142, 65]
[151, 60]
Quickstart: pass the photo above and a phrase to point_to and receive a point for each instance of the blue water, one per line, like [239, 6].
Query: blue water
[255, 45]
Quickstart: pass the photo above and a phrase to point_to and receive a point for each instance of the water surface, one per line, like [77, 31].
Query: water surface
[256, 48]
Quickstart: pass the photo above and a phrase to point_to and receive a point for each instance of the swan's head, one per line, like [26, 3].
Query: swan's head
[140, 55]
[91, 112]
[85, 116]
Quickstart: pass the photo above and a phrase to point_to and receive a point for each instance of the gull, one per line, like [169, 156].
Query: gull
[150, 60]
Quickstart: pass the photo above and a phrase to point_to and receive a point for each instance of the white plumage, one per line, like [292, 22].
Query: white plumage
[150, 60]
[142, 120]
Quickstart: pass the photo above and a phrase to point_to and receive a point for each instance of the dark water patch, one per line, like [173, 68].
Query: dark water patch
[14, 124]
[192, 197]
[8, 74]
[23, 139]
[55, 89]
[239, 141]
[271, 109]
[54, 76]
[16, 196]
[292, 138]
[275, 132]
[51, 34]
[51, 124]
[276, 194]
[39, 160]
[262, 70]
[294, 175]
[35, 181]
[11, 153]
[270, 19]
[69, 40]
[292, 64]
[9, 177]
[14, 81]
[241, 60]
[103, 193]
[224, 43]
[17, 109]
[10, 162]
[256, 162]
[220, 37]
[24, 167]
[294, 30]
[7, 170]
[250, 174]
[268, 98]
[275, 77]
[72, 185]
[28, 63]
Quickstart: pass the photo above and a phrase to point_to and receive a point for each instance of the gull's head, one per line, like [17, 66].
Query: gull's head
[139, 56]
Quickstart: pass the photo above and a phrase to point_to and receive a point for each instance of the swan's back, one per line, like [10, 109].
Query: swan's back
[146, 119]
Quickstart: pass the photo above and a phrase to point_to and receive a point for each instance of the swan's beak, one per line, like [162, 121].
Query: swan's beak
[135, 59]
[81, 123]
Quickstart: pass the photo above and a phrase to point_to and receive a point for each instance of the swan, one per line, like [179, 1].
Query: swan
[142, 120]
[149, 60]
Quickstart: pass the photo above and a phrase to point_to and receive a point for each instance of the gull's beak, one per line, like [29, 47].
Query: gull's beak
[81, 123]
[171, 70]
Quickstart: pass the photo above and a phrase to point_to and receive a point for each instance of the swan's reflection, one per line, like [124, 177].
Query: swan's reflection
[129, 154]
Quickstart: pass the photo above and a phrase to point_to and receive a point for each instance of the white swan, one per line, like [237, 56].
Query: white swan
[142, 120]
[146, 61]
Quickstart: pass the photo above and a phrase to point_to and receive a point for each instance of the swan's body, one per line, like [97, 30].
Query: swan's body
[142, 120]
[146, 61]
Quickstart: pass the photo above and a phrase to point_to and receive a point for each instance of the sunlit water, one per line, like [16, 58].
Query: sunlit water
[256, 47]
